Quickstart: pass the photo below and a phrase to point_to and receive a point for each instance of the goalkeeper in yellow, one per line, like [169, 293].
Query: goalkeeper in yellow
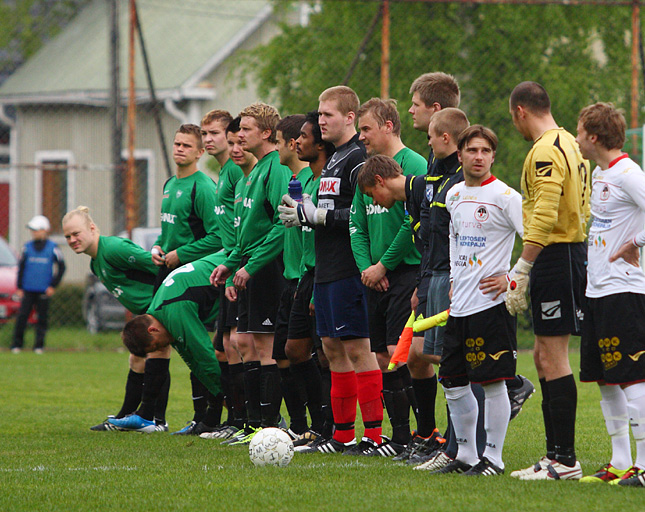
[555, 187]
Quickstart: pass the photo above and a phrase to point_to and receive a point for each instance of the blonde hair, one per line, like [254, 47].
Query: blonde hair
[382, 111]
[346, 99]
[266, 117]
[84, 213]
[451, 121]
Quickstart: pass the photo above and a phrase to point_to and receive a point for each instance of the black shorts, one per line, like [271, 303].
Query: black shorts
[422, 295]
[162, 273]
[226, 318]
[282, 319]
[613, 339]
[389, 311]
[257, 306]
[302, 325]
[481, 347]
[557, 287]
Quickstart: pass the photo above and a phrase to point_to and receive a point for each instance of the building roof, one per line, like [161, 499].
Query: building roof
[185, 42]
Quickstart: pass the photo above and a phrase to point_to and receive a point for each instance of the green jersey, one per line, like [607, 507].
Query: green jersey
[261, 233]
[188, 220]
[127, 272]
[308, 261]
[380, 234]
[229, 175]
[184, 303]
[292, 254]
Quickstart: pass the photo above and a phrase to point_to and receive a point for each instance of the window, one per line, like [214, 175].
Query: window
[143, 184]
[54, 186]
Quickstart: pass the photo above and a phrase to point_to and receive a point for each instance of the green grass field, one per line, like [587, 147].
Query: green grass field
[50, 460]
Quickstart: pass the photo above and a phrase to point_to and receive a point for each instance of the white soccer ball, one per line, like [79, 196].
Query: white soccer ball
[271, 447]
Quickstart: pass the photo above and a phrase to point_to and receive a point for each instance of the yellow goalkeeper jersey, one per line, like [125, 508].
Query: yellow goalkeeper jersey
[556, 184]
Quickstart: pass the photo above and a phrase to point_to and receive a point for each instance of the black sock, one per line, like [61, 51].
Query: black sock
[252, 393]
[133, 390]
[397, 406]
[515, 383]
[328, 414]
[480, 396]
[548, 424]
[200, 398]
[404, 372]
[425, 391]
[562, 404]
[270, 395]
[294, 399]
[155, 377]
[225, 381]
[161, 404]
[236, 372]
[307, 376]
[213, 416]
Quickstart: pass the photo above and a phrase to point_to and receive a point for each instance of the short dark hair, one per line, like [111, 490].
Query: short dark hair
[606, 122]
[532, 96]
[135, 335]
[290, 126]
[223, 116]
[312, 118]
[477, 130]
[194, 130]
[377, 165]
[437, 87]
[233, 126]
[382, 111]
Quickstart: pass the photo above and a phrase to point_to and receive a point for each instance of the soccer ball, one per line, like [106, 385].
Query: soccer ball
[271, 447]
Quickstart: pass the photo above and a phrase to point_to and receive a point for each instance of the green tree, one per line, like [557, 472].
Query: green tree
[581, 54]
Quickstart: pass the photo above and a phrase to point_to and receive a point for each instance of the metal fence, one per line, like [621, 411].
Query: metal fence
[57, 145]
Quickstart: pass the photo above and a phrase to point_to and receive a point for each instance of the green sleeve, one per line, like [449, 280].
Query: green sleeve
[205, 209]
[359, 233]
[400, 247]
[273, 244]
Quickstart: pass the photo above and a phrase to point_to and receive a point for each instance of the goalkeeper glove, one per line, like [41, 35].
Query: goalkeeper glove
[517, 287]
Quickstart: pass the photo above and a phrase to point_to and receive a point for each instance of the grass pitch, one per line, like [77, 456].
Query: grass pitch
[51, 461]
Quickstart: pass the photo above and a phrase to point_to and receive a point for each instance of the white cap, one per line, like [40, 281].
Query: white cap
[39, 222]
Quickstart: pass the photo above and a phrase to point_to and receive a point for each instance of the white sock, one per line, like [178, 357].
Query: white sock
[614, 409]
[497, 413]
[463, 413]
[636, 407]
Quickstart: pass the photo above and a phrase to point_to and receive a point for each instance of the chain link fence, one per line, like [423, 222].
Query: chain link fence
[60, 129]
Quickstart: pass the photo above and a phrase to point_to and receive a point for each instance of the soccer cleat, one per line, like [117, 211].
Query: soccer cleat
[426, 448]
[456, 466]
[133, 422]
[225, 432]
[16, 350]
[365, 447]
[307, 438]
[556, 471]
[245, 439]
[438, 461]
[387, 448]
[520, 395]
[633, 477]
[538, 466]
[484, 468]
[607, 473]
[329, 446]
[39, 351]
[161, 427]
[187, 430]
[105, 426]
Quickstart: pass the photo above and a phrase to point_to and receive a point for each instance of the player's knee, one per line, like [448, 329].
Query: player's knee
[454, 382]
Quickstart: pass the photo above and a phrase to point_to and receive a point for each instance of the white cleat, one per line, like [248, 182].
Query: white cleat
[538, 466]
[556, 471]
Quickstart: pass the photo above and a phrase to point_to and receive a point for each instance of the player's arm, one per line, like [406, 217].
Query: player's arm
[359, 232]
[127, 255]
[339, 217]
[59, 261]
[400, 247]
[634, 186]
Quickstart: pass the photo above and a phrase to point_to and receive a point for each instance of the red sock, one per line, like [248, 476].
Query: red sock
[370, 387]
[343, 404]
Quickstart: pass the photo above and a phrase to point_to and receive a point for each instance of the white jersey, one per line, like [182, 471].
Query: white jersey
[617, 216]
[483, 223]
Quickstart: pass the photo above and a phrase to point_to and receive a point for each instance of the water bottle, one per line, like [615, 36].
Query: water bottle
[295, 189]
